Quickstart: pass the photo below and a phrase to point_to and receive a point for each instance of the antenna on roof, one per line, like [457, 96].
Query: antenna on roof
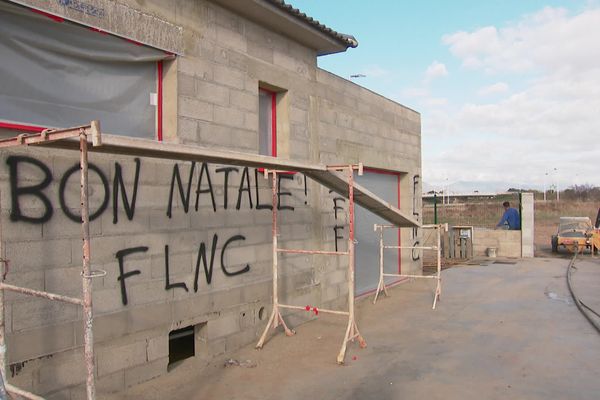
[358, 76]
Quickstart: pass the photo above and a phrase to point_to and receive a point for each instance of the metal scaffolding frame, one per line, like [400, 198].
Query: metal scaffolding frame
[81, 133]
[438, 248]
[275, 319]
[77, 138]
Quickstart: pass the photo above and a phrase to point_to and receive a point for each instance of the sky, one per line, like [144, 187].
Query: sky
[508, 91]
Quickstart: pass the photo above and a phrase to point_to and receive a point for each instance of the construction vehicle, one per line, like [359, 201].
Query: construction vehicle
[575, 234]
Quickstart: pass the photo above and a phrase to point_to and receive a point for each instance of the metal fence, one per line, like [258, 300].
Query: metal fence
[482, 211]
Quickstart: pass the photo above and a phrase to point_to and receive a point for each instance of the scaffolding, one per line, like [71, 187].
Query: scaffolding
[77, 138]
[275, 319]
[437, 248]
[81, 134]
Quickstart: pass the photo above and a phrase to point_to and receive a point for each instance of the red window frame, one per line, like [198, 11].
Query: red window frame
[159, 84]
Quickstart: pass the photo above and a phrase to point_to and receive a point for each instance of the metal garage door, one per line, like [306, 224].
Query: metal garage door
[384, 185]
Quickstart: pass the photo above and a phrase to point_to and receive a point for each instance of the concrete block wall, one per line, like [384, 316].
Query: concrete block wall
[211, 99]
[507, 243]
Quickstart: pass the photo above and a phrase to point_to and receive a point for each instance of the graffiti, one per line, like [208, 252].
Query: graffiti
[223, 266]
[121, 254]
[16, 191]
[416, 255]
[63, 186]
[243, 189]
[119, 184]
[84, 7]
[204, 171]
[36, 190]
[280, 193]
[168, 284]
[208, 270]
[31, 182]
[185, 196]
[258, 205]
[337, 228]
[416, 199]
[201, 259]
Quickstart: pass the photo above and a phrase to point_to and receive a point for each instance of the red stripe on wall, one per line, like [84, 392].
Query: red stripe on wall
[53, 17]
[273, 124]
[159, 110]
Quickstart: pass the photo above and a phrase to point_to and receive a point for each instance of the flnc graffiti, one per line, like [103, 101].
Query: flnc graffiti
[187, 189]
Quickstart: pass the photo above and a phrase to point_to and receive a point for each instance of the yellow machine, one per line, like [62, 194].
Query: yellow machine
[576, 234]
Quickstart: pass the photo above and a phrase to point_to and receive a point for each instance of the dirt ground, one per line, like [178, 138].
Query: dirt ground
[502, 331]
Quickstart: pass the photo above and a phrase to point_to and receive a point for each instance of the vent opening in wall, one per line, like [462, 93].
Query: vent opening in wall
[181, 344]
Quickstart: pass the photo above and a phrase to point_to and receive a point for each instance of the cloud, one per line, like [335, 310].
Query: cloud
[434, 71]
[496, 88]
[547, 41]
[551, 121]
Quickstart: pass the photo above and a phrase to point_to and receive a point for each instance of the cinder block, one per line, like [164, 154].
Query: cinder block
[145, 372]
[39, 342]
[106, 301]
[41, 312]
[149, 292]
[18, 231]
[229, 117]
[196, 66]
[38, 254]
[65, 281]
[115, 358]
[180, 263]
[231, 39]
[186, 85]
[212, 93]
[62, 370]
[229, 77]
[179, 220]
[194, 108]
[157, 347]
[244, 100]
[223, 326]
[193, 310]
[60, 226]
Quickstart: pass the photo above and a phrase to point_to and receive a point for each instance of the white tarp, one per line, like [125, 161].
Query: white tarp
[60, 74]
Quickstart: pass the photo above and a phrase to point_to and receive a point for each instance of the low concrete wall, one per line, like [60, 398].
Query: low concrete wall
[507, 243]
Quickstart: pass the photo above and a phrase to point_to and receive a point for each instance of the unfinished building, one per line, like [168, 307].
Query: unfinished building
[186, 246]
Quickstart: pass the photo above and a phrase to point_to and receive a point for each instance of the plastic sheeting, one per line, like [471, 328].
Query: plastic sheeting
[59, 74]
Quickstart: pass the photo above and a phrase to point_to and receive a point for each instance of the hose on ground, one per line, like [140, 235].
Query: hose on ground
[585, 309]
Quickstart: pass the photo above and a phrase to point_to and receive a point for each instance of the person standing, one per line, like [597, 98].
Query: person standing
[510, 218]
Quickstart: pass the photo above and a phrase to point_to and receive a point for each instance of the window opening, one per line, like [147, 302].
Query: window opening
[78, 74]
[181, 344]
[267, 123]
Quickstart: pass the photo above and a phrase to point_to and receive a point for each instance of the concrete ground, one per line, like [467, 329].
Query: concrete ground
[501, 331]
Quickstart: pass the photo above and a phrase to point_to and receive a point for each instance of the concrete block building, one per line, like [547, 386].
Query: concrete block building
[186, 246]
